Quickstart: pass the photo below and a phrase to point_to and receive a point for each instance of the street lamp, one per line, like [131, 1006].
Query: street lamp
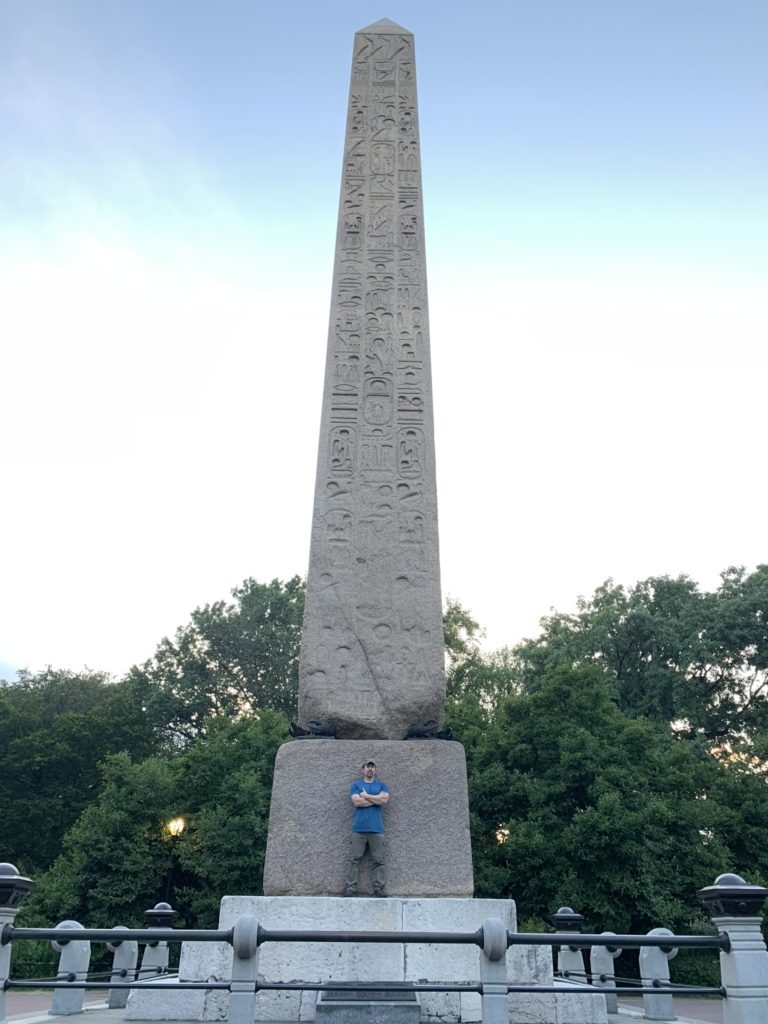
[174, 827]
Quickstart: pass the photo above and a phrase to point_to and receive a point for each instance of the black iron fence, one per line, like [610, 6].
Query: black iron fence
[733, 902]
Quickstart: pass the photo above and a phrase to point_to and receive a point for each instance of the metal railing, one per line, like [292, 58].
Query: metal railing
[744, 988]
[493, 940]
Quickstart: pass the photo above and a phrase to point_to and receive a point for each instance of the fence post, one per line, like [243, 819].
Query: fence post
[601, 966]
[654, 967]
[245, 965]
[154, 962]
[123, 967]
[736, 909]
[73, 966]
[569, 960]
[13, 889]
[493, 972]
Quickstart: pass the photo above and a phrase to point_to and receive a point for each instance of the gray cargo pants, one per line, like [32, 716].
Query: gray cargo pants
[375, 843]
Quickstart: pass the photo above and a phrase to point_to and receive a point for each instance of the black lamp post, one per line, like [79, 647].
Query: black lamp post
[174, 828]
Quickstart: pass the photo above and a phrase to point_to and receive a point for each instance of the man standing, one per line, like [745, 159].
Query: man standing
[368, 797]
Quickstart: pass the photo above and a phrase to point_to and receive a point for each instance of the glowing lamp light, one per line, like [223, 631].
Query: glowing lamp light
[176, 826]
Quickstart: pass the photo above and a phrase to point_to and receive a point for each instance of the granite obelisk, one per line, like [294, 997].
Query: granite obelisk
[372, 644]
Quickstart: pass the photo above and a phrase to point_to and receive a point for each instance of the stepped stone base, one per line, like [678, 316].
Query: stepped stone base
[426, 821]
[348, 1006]
[329, 962]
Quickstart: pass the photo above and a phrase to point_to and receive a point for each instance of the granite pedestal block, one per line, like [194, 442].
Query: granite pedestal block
[427, 841]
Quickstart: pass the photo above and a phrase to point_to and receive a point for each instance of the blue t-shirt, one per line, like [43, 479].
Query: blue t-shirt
[368, 819]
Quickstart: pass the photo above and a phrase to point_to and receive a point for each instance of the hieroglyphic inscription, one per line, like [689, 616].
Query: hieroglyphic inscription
[342, 451]
[410, 452]
[372, 633]
[382, 158]
[377, 404]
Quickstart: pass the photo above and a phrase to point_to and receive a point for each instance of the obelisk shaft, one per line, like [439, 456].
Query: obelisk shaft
[372, 644]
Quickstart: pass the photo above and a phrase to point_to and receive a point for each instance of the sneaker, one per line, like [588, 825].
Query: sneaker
[350, 892]
[381, 894]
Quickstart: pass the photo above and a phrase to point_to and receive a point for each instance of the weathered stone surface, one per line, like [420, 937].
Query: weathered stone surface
[331, 961]
[426, 821]
[147, 1002]
[579, 1008]
[322, 962]
[372, 643]
[525, 964]
[360, 1007]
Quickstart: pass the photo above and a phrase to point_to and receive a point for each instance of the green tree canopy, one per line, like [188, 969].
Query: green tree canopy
[575, 803]
[589, 750]
[55, 729]
[671, 652]
[116, 857]
[230, 659]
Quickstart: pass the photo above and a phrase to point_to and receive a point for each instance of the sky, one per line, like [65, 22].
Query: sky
[596, 208]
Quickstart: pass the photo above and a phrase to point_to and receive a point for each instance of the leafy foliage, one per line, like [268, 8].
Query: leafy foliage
[226, 783]
[670, 652]
[117, 857]
[230, 659]
[574, 803]
[587, 785]
[55, 728]
[617, 763]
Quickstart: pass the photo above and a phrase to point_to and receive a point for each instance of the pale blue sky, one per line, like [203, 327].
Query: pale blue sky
[597, 243]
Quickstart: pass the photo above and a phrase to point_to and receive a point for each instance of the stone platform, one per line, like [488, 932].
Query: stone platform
[426, 821]
[345, 962]
[687, 1010]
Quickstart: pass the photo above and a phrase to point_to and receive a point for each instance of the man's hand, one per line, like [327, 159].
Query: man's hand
[361, 800]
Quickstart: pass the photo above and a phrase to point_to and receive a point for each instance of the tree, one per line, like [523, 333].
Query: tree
[461, 633]
[670, 652]
[590, 755]
[55, 729]
[575, 803]
[228, 777]
[117, 855]
[230, 659]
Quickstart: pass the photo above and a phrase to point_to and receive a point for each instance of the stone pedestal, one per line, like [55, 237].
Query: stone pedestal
[324, 962]
[426, 821]
[339, 962]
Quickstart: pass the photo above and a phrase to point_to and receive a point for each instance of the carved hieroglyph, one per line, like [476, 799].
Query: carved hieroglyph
[372, 644]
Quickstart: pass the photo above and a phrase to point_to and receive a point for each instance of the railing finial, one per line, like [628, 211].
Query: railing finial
[731, 896]
[566, 920]
[162, 915]
[13, 886]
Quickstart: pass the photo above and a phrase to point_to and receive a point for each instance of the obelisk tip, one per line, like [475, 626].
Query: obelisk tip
[385, 25]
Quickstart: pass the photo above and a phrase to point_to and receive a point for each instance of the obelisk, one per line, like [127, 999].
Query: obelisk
[372, 643]
[372, 652]
[372, 660]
